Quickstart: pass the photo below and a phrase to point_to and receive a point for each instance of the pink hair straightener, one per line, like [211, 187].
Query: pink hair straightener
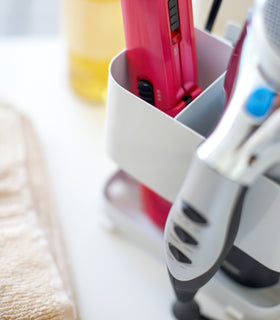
[161, 58]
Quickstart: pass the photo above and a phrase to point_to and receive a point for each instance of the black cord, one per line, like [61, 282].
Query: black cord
[188, 311]
[213, 14]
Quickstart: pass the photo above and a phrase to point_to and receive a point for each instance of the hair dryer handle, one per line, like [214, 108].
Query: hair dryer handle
[201, 228]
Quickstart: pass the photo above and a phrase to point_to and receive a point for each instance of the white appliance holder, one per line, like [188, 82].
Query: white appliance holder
[156, 150]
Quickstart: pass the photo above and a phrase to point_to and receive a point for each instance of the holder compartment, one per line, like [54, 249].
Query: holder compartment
[151, 146]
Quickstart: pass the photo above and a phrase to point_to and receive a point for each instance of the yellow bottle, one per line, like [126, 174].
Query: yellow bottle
[95, 35]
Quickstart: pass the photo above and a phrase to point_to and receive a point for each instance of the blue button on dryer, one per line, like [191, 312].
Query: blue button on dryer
[260, 102]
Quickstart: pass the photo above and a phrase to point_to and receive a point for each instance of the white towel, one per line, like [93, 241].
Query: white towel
[34, 278]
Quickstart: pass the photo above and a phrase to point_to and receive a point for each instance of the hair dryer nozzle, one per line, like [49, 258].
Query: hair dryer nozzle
[264, 30]
[271, 16]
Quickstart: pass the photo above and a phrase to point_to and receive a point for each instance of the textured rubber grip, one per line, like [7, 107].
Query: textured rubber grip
[185, 290]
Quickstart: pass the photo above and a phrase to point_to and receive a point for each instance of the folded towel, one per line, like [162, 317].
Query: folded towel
[35, 282]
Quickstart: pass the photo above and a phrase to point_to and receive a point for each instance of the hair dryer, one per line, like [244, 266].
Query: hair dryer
[204, 220]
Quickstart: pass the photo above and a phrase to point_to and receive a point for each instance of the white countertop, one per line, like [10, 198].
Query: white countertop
[114, 278]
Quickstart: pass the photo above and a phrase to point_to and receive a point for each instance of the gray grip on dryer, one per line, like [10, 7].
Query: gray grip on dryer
[201, 228]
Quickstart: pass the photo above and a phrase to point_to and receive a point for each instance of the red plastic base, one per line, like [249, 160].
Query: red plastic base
[156, 207]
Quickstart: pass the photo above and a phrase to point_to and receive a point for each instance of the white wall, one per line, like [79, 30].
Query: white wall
[29, 17]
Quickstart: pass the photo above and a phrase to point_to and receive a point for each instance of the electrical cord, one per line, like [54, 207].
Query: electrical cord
[213, 14]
